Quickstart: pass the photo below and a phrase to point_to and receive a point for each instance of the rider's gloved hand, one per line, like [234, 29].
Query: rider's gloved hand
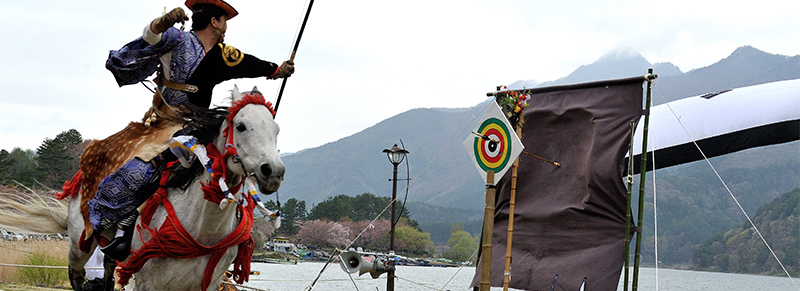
[285, 70]
[163, 23]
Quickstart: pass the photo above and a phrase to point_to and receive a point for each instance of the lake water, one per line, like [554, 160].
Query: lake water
[277, 277]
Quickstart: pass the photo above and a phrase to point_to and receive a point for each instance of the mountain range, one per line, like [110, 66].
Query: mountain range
[440, 169]
[444, 185]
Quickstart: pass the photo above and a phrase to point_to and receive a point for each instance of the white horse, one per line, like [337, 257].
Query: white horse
[204, 225]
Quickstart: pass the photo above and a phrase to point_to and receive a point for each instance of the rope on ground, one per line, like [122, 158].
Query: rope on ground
[330, 259]
[415, 283]
[243, 286]
[306, 280]
[459, 268]
[729, 192]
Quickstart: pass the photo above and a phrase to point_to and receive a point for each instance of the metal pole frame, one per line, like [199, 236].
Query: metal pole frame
[390, 273]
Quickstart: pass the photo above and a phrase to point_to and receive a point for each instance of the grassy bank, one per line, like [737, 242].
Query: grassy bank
[15, 287]
[33, 252]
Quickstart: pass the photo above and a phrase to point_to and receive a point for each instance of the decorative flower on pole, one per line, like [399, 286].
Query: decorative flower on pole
[513, 103]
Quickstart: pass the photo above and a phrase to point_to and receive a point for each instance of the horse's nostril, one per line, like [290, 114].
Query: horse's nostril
[266, 170]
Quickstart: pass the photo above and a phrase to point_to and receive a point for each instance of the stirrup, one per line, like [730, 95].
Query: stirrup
[119, 248]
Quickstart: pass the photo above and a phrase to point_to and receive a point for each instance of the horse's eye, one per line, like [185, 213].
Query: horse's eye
[241, 127]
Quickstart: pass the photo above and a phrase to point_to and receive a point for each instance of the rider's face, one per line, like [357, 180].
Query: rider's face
[220, 25]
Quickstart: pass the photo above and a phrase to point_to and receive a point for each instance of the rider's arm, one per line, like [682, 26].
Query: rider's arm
[152, 33]
[149, 36]
[230, 63]
[222, 63]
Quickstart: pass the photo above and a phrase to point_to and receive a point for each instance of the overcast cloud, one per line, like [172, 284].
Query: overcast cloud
[359, 62]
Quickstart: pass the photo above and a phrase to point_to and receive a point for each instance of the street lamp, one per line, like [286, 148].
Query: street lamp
[396, 156]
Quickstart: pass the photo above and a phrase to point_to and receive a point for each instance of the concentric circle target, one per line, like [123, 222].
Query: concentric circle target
[492, 153]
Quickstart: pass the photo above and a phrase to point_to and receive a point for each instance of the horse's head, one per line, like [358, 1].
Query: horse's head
[253, 132]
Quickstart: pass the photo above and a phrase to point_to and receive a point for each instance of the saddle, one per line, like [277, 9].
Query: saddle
[144, 139]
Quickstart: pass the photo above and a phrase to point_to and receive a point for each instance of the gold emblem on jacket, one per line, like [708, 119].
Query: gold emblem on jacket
[231, 55]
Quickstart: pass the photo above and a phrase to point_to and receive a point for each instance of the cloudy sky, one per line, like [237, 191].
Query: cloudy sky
[359, 61]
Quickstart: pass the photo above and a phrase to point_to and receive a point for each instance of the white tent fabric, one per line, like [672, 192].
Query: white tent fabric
[722, 122]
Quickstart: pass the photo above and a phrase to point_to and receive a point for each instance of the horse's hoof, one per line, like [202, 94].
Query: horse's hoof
[118, 249]
[95, 284]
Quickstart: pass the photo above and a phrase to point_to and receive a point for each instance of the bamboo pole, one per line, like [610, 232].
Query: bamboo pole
[511, 205]
[642, 175]
[512, 202]
[488, 228]
[628, 214]
[294, 52]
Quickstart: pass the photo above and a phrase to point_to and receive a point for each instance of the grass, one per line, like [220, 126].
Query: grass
[33, 252]
[15, 287]
[42, 276]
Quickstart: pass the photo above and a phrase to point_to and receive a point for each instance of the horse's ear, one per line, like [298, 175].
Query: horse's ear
[255, 90]
[235, 95]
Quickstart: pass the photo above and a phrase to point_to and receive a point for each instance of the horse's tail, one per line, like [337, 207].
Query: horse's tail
[32, 213]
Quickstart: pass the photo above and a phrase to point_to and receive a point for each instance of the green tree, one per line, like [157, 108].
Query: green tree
[21, 166]
[462, 244]
[333, 208]
[292, 212]
[55, 164]
[366, 206]
[412, 240]
[5, 165]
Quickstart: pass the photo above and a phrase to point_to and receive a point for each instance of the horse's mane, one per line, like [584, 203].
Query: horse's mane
[203, 124]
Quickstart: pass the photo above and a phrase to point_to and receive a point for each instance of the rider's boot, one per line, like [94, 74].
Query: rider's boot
[120, 247]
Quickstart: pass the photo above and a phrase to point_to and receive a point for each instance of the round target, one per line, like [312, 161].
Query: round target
[494, 150]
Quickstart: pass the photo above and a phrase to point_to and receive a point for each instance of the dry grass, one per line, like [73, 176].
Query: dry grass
[15, 287]
[20, 252]
[14, 252]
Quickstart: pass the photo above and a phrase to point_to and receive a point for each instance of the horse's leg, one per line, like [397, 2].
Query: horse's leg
[77, 261]
[77, 258]
[221, 268]
[76, 278]
[109, 265]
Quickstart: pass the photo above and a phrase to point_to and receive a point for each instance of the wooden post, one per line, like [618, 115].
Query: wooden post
[512, 202]
[488, 228]
[511, 205]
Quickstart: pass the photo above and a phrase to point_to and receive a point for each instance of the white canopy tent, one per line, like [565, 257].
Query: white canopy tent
[721, 123]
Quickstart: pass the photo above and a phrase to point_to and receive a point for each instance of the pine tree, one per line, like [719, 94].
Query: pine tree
[291, 212]
[5, 165]
[54, 162]
[21, 166]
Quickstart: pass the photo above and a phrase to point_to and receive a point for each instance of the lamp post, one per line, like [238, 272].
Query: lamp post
[396, 156]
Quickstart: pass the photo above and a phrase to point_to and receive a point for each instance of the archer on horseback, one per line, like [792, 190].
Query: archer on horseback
[189, 65]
